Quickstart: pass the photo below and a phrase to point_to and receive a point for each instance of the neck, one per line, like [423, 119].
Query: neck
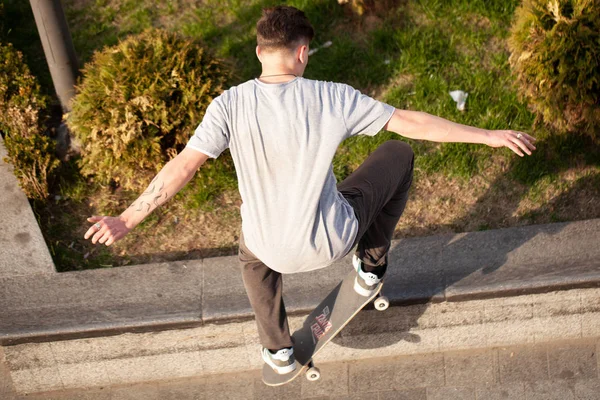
[278, 73]
[277, 78]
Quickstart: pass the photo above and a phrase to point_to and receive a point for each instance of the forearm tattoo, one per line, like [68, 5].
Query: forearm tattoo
[155, 195]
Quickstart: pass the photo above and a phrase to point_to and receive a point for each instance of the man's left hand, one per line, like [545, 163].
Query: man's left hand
[518, 142]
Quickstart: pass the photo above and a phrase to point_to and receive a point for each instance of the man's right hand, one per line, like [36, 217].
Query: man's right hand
[106, 230]
[171, 178]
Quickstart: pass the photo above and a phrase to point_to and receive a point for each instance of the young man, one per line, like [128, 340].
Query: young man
[283, 131]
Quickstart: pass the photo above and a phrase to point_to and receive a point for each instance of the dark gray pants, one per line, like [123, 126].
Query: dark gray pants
[378, 191]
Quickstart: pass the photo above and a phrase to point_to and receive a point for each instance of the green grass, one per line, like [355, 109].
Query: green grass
[441, 45]
[427, 52]
[410, 56]
[446, 53]
[216, 177]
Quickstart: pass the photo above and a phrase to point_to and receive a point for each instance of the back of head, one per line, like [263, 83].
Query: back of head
[283, 27]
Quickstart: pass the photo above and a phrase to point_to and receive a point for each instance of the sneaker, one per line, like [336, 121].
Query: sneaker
[365, 283]
[282, 362]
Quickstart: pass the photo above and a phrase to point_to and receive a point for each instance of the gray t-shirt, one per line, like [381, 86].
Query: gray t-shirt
[282, 138]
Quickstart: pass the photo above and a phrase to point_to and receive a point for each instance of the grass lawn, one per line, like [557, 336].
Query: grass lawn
[407, 53]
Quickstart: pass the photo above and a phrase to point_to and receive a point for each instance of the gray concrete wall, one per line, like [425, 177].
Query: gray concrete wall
[23, 250]
[468, 266]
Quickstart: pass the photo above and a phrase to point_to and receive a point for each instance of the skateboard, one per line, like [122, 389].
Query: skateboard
[323, 324]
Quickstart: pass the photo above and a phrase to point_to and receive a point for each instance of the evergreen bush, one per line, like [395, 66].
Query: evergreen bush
[555, 46]
[22, 116]
[138, 104]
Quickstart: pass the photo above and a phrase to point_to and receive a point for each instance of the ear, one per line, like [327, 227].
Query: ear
[302, 54]
[258, 53]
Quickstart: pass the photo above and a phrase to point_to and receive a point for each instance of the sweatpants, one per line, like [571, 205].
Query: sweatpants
[378, 191]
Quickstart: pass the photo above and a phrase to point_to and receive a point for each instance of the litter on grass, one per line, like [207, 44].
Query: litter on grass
[460, 98]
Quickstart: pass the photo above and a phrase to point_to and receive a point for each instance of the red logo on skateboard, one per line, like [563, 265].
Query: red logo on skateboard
[322, 325]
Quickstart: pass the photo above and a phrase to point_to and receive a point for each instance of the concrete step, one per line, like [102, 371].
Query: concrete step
[233, 347]
[558, 370]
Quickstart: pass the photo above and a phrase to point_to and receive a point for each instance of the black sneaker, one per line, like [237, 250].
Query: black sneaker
[365, 283]
[282, 362]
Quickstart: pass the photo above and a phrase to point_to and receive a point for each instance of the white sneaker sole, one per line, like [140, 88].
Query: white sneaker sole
[361, 290]
[357, 288]
[280, 370]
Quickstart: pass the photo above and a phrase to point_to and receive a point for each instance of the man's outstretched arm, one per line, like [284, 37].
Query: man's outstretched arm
[420, 125]
[171, 178]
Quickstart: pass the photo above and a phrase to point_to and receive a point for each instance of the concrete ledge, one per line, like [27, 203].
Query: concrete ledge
[491, 264]
[233, 347]
[23, 250]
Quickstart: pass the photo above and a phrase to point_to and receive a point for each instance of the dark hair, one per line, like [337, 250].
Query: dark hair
[282, 27]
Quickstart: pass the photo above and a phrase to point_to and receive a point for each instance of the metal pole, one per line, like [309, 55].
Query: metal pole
[58, 47]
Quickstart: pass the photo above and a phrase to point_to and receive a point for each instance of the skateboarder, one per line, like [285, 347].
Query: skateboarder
[283, 131]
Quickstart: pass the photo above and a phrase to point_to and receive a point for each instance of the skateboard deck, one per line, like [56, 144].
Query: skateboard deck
[322, 325]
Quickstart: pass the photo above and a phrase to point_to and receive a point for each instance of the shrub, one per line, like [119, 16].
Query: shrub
[555, 46]
[138, 104]
[22, 116]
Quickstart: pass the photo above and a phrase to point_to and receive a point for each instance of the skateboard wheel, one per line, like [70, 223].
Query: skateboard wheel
[313, 374]
[382, 303]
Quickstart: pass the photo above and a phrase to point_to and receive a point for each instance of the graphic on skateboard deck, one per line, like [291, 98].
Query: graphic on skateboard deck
[323, 324]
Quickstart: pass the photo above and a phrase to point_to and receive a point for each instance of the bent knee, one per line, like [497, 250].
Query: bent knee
[399, 148]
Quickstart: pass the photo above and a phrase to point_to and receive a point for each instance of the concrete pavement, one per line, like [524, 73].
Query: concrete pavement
[233, 347]
[559, 370]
